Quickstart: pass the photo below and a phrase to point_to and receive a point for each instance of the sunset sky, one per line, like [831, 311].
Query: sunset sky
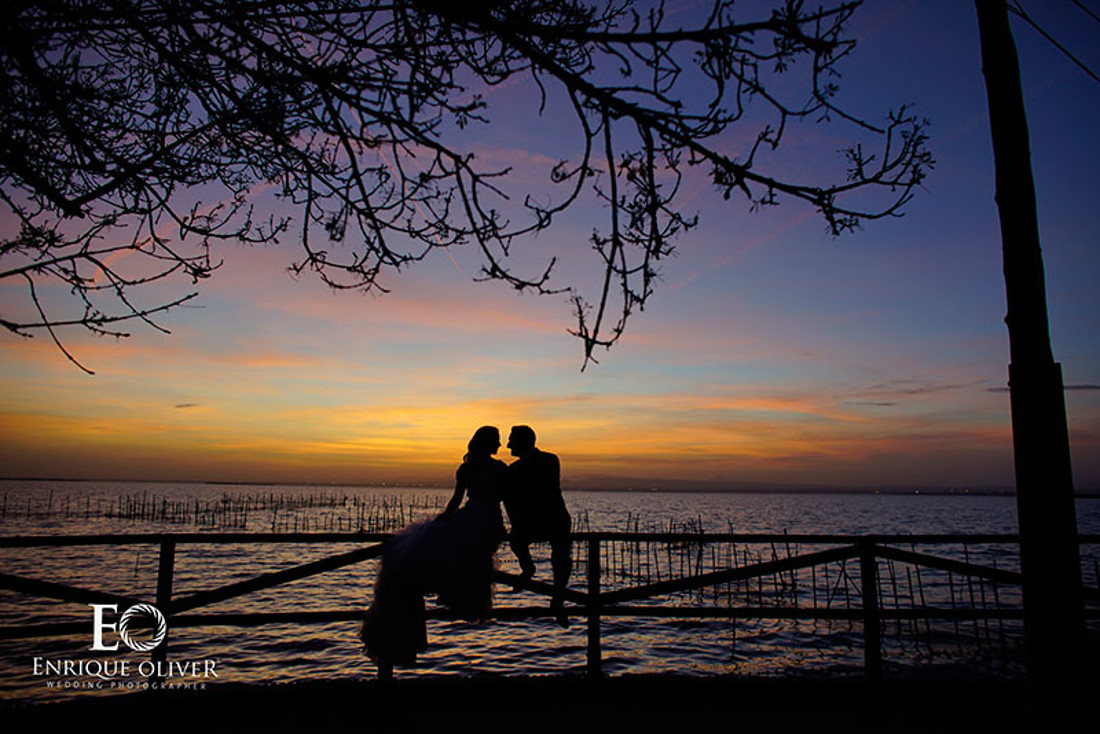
[770, 353]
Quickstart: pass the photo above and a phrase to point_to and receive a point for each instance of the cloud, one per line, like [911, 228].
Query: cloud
[1083, 388]
[908, 387]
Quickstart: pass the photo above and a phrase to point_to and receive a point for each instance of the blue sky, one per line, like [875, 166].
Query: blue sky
[770, 353]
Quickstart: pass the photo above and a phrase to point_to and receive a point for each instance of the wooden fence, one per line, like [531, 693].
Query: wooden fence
[596, 602]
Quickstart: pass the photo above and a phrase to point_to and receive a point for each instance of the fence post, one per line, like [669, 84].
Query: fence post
[595, 661]
[872, 624]
[165, 573]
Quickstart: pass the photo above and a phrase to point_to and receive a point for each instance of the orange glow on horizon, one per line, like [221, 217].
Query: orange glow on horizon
[422, 439]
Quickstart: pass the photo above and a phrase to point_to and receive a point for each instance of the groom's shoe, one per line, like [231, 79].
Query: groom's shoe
[558, 608]
[524, 574]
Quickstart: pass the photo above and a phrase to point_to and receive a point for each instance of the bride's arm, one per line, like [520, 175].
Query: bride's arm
[456, 498]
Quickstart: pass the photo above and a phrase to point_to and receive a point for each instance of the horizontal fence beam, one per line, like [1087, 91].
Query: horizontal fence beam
[62, 592]
[805, 538]
[30, 541]
[274, 578]
[257, 619]
[539, 587]
[47, 629]
[807, 613]
[946, 564]
[741, 573]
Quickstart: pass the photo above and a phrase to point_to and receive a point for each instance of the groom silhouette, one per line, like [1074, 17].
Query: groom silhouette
[537, 512]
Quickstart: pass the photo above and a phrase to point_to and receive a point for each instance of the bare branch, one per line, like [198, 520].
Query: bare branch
[357, 116]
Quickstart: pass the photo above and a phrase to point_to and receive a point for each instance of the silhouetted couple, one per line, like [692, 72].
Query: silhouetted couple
[454, 555]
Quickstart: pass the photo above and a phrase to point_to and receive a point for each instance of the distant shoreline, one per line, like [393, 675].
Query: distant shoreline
[608, 484]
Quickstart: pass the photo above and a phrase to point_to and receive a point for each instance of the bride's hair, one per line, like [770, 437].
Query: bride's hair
[485, 440]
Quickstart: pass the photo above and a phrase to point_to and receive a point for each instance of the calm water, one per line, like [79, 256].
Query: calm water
[292, 652]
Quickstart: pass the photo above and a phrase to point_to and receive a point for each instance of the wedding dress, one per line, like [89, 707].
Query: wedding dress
[452, 556]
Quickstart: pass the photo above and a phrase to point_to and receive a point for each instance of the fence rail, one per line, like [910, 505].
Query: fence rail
[594, 603]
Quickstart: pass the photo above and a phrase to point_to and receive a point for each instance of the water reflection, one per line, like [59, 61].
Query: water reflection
[290, 652]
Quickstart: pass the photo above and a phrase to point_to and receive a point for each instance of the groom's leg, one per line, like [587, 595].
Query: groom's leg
[561, 560]
[522, 551]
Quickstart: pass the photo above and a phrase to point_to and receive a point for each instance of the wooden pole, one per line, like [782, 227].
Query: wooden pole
[1049, 554]
[595, 656]
[872, 624]
[165, 573]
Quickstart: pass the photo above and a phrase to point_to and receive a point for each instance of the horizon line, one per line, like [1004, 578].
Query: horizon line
[604, 484]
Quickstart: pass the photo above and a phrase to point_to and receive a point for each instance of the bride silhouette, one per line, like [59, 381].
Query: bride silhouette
[452, 556]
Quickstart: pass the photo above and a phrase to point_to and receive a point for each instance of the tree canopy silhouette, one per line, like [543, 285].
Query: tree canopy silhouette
[124, 119]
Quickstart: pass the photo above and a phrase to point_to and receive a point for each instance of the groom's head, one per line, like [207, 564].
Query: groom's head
[521, 440]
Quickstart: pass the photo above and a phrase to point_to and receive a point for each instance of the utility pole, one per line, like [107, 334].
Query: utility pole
[1049, 553]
